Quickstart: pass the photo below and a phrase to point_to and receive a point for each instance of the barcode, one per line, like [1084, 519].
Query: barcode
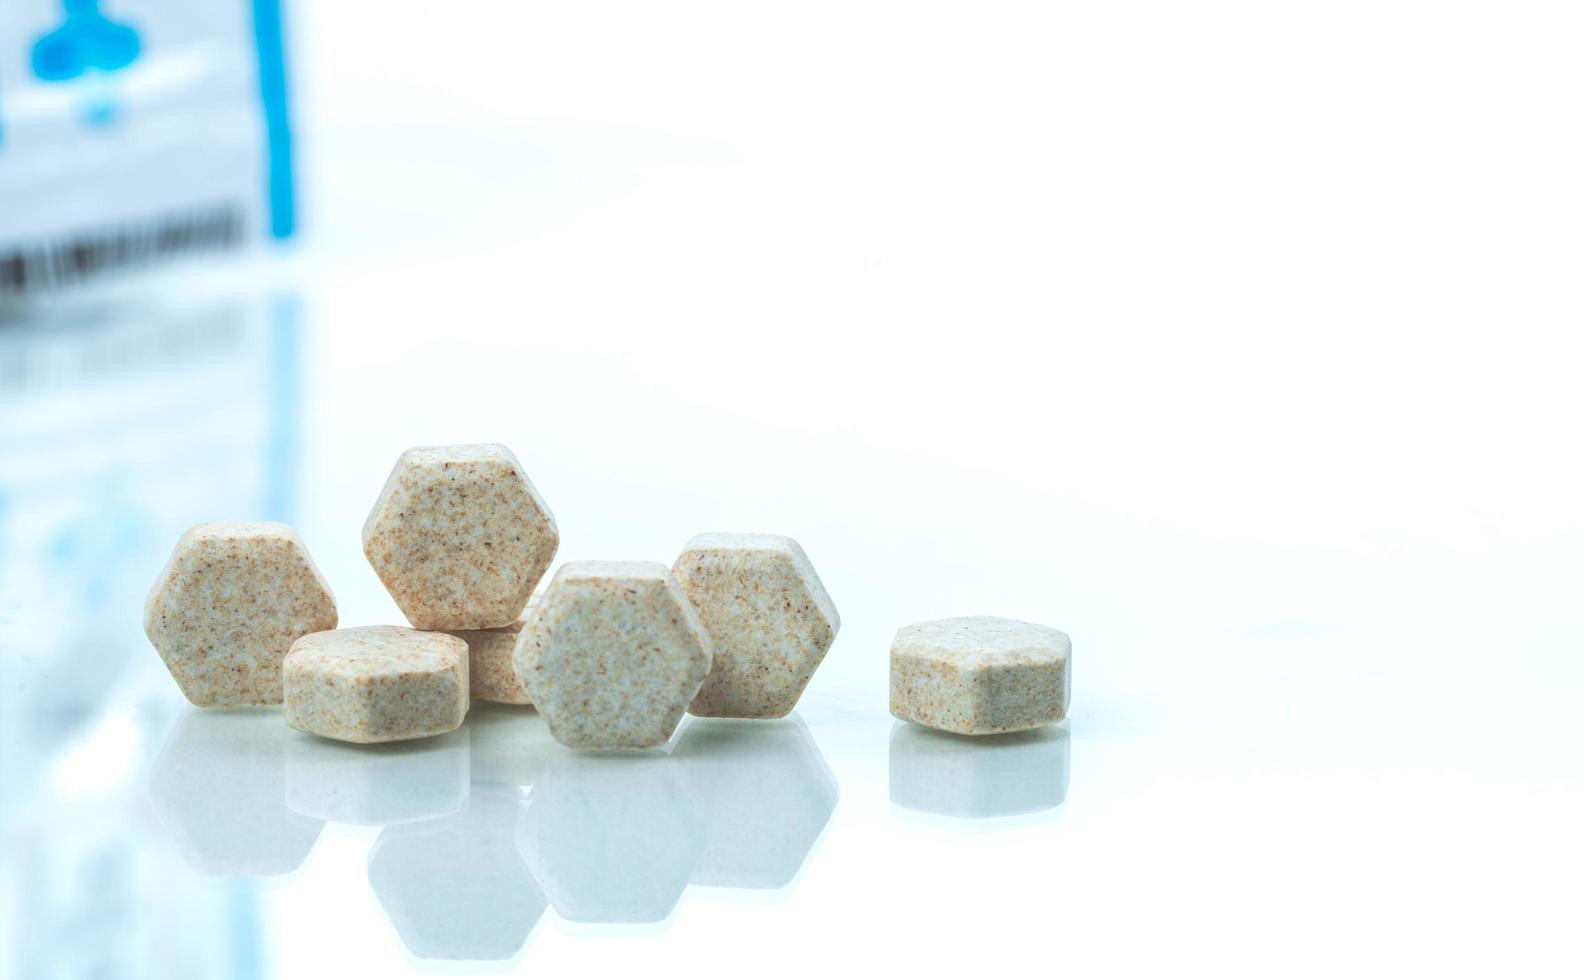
[83, 255]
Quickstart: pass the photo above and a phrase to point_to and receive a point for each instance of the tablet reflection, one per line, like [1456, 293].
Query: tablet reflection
[219, 785]
[612, 837]
[511, 745]
[977, 777]
[457, 888]
[377, 785]
[764, 794]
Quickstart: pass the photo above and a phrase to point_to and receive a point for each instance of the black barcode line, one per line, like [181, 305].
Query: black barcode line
[79, 256]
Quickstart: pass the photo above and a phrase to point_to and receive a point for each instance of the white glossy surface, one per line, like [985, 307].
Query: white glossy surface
[1237, 341]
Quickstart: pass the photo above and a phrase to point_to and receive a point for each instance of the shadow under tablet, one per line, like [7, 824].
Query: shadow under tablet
[981, 776]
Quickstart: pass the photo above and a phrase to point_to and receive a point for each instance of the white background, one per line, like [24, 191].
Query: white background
[1239, 340]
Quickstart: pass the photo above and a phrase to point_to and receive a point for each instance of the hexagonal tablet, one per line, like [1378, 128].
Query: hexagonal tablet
[613, 654]
[980, 675]
[460, 537]
[376, 684]
[227, 607]
[490, 669]
[769, 617]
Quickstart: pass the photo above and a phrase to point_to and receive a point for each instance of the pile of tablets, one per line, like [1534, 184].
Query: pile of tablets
[612, 653]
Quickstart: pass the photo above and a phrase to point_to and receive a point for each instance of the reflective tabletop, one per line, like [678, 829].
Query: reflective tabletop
[1319, 563]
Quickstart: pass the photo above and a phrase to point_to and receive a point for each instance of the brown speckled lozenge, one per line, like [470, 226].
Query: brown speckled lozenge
[613, 654]
[460, 537]
[228, 605]
[376, 684]
[768, 616]
[490, 670]
[980, 675]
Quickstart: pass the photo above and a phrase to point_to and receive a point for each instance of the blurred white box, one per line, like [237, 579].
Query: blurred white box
[137, 131]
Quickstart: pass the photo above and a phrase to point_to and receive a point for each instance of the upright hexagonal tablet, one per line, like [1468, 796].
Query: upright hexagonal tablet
[227, 607]
[613, 654]
[980, 675]
[769, 617]
[376, 684]
[460, 537]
